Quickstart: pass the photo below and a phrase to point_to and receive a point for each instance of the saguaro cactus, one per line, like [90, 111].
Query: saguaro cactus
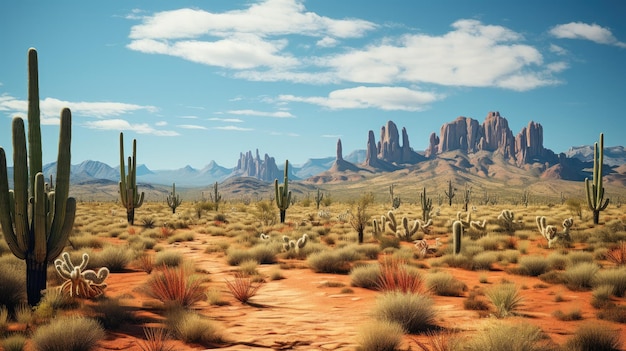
[216, 197]
[457, 235]
[283, 195]
[427, 205]
[450, 192]
[36, 224]
[318, 198]
[173, 200]
[129, 195]
[594, 189]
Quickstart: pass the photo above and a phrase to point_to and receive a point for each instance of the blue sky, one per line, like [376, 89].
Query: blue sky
[195, 81]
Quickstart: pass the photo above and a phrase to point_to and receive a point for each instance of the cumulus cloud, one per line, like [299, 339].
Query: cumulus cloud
[472, 54]
[51, 108]
[383, 98]
[580, 30]
[277, 114]
[120, 124]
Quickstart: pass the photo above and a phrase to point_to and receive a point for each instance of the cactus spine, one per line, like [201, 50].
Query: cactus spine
[36, 223]
[131, 199]
[173, 200]
[594, 189]
[457, 234]
[283, 195]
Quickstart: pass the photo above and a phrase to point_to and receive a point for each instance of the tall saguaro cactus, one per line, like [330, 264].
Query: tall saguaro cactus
[594, 189]
[131, 199]
[173, 200]
[450, 192]
[283, 195]
[36, 223]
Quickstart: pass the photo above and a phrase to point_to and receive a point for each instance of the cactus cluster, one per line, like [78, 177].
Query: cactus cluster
[36, 224]
[173, 200]
[551, 233]
[295, 245]
[506, 219]
[594, 188]
[283, 195]
[129, 195]
[79, 281]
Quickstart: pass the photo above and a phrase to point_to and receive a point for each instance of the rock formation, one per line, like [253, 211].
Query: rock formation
[493, 135]
[388, 153]
[340, 164]
[253, 166]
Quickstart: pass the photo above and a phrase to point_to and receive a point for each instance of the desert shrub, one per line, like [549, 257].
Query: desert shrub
[56, 299]
[472, 302]
[15, 342]
[190, 327]
[235, 256]
[617, 254]
[180, 237]
[414, 312]
[214, 297]
[389, 242]
[445, 284]
[24, 314]
[4, 319]
[580, 276]
[168, 258]
[593, 336]
[484, 260]
[573, 315]
[86, 240]
[264, 254]
[576, 257]
[248, 267]
[145, 262]
[329, 262]
[488, 243]
[68, 334]
[380, 336]
[115, 258]
[174, 286]
[451, 260]
[396, 275]
[534, 265]
[557, 260]
[12, 283]
[505, 298]
[509, 256]
[157, 339]
[601, 296]
[615, 314]
[553, 277]
[613, 277]
[365, 276]
[500, 336]
[369, 251]
[243, 288]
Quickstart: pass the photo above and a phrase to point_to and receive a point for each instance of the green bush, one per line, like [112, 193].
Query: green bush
[68, 334]
[594, 336]
[380, 336]
[445, 284]
[414, 312]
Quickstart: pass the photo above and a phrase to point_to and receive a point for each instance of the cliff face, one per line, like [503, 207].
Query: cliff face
[388, 152]
[494, 135]
[253, 166]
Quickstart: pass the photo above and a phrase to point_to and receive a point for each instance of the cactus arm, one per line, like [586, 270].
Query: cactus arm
[6, 220]
[62, 186]
[122, 182]
[20, 184]
[34, 128]
[56, 246]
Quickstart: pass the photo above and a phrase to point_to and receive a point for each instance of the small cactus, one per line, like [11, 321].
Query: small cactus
[457, 235]
[450, 192]
[173, 200]
[507, 221]
[283, 195]
[80, 282]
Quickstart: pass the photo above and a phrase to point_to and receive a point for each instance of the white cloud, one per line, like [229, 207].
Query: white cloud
[558, 50]
[277, 114]
[161, 124]
[51, 108]
[191, 126]
[383, 98]
[227, 120]
[580, 30]
[265, 18]
[120, 124]
[234, 128]
[473, 54]
[327, 42]
[188, 117]
[333, 136]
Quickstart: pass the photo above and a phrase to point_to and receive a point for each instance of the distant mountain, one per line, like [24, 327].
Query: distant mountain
[613, 155]
[312, 167]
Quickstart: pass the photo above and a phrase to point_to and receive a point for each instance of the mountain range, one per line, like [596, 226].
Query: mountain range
[463, 146]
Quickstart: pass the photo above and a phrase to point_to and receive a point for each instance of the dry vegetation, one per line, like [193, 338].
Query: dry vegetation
[203, 279]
